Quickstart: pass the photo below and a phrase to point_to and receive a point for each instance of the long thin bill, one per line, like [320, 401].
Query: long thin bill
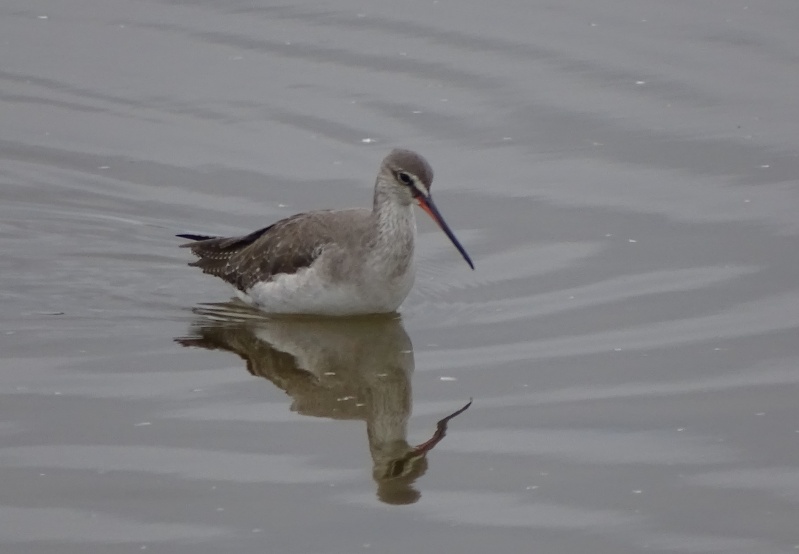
[427, 205]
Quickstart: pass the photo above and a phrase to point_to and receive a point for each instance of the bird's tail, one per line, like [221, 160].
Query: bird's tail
[195, 237]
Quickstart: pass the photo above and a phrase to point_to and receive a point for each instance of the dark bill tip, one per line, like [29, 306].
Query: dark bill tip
[428, 206]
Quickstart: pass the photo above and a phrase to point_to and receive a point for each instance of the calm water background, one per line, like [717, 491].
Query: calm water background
[623, 173]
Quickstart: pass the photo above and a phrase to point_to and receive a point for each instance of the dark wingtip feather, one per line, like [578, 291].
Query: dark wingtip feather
[195, 237]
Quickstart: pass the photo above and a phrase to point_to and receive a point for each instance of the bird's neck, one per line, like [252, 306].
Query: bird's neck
[396, 227]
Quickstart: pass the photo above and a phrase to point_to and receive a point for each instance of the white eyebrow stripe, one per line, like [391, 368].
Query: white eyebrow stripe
[418, 185]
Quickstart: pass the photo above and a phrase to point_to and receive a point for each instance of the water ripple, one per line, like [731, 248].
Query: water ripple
[509, 510]
[35, 525]
[588, 446]
[774, 313]
[206, 465]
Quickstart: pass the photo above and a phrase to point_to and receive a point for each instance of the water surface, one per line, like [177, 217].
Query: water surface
[623, 175]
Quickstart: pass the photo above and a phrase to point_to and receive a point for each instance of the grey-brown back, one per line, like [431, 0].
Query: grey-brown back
[284, 247]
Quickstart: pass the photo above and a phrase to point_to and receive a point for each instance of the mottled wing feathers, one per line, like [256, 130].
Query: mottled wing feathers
[217, 244]
[285, 247]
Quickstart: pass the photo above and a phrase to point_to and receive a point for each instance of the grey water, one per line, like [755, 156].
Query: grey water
[623, 174]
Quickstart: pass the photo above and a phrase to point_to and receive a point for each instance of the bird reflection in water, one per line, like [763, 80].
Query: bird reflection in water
[338, 368]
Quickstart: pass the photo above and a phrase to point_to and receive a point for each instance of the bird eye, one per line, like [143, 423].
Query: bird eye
[404, 178]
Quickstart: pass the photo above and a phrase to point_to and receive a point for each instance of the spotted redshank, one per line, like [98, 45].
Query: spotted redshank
[332, 262]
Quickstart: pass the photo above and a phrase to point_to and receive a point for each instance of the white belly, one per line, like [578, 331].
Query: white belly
[306, 292]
